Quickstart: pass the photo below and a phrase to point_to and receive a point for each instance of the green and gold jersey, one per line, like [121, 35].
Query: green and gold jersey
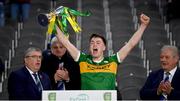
[98, 76]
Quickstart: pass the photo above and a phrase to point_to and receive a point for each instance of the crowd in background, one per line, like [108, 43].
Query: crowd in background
[18, 10]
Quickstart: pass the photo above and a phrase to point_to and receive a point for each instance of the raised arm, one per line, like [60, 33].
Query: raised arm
[124, 51]
[64, 40]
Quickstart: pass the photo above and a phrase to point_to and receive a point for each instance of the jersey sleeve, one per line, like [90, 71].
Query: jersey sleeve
[77, 59]
[118, 58]
[81, 57]
[115, 58]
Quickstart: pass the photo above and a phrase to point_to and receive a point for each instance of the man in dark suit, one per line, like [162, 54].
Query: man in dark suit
[53, 59]
[164, 84]
[22, 84]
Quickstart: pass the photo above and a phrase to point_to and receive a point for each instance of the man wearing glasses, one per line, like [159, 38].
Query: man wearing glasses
[28, 82]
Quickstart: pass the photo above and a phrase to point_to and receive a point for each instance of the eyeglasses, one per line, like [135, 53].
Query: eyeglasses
[34, 57]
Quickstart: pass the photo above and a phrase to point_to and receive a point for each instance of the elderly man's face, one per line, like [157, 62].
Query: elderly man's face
[168, 60]
[33, 60]
[58, 49]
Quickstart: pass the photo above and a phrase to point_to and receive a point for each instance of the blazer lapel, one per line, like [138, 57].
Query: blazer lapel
[30, 79]
[160, 76]
[41, 79]
[175, 76]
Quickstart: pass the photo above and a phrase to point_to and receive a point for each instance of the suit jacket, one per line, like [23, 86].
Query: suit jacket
[149, 90]
[21, 85]
[50, 63]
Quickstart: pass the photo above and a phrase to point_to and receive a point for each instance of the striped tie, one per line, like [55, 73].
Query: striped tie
[37, 81]
[167, 76]
[60, 85]
[163, 97]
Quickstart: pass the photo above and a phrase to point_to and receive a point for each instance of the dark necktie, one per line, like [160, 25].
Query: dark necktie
[163, 97]
[60, 85]
[38, 82]
[167, 76]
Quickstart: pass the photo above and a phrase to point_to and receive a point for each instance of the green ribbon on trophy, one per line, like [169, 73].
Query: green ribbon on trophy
[61, 16]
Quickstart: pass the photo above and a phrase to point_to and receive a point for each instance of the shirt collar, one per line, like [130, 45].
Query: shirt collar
[172, 72]
[99, 60]
[30, 71]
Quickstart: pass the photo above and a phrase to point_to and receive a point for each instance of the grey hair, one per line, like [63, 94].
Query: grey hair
[174, 49]
[31, 49]
[54, 40]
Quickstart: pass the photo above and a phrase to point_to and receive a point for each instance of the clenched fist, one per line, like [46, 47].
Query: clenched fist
[144, 19]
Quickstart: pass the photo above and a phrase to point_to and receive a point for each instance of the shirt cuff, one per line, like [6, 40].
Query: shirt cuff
[67, 81]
